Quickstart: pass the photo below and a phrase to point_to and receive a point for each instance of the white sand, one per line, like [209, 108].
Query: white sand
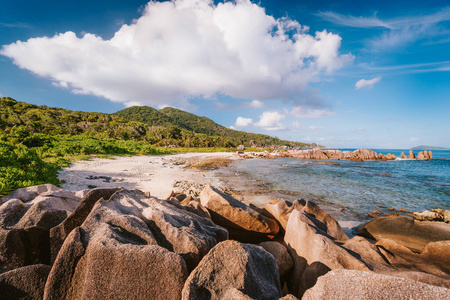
[154, 174]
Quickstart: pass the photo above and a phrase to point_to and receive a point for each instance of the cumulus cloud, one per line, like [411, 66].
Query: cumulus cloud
[243, 122]
[305, 113]
[271, 120]
[186, 48]
[367, 83]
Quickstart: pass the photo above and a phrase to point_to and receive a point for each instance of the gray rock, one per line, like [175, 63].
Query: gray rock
[352, 284]
[24, 283]
[131, 247]
[281, 255]
[232, 270]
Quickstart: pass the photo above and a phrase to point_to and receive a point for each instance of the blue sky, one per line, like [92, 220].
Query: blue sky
[340, 73]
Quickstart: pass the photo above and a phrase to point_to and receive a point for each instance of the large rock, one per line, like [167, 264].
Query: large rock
[352, 284]
[404, 230]
[281, 255]
[24, 283]
[366, 154]
[59, 233]
[281, 210]
[232, 270]
[403, 155]
[314, 253]
[433, 259]
[131, 246]
[243, 222]
[411, 155]
[25, 220]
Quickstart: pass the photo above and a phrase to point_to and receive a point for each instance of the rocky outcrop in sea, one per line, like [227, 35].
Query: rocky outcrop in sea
[323, 154]
[115, 243]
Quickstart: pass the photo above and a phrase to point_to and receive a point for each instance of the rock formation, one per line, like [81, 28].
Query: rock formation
[340, 284]
[241, 221]
[121, 244]
[232, 270]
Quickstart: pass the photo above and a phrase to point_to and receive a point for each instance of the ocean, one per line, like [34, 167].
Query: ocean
[350, 190]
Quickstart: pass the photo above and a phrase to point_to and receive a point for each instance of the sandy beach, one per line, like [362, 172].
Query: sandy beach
[154, 174]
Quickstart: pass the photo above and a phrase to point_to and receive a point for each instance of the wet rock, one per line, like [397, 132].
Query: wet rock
[232, 270]
[404, 230]
[342, 284]
[243, 222]
[314, 253]
[411, 155]
[281, 255]
[24, 283]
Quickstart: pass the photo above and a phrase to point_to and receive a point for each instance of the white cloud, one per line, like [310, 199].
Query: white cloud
[360, 128]
[367, 83]
[252, 104]
[316, 127]
[414, 139]
[270, 120]
[186, 48]
[243, 122]
[301, 112]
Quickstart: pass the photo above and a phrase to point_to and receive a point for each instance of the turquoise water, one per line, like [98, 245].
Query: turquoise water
[359, 187]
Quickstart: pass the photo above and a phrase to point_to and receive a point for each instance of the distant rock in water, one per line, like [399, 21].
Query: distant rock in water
[411, 154]
[403, 155]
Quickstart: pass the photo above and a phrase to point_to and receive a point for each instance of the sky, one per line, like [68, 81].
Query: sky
[344, 74]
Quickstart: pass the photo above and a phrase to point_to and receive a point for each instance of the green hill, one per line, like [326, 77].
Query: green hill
[202, 125]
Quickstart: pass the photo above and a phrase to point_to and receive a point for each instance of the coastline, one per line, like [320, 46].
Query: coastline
[159, 175]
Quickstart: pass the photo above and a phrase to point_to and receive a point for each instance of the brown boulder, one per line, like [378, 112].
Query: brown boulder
[281, 210]
[421, 156]
[366, 154]
[242, 221]
[24, 283]
[404, 230]
[25, 223]
[427, 216]
[403, 155]
[127, 242]
[345, 284]
[314, 253]
[281, 255]
[411, 154]
[59, 233]
[232, 270]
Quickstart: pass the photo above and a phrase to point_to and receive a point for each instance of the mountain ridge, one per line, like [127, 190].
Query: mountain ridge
[425, 147]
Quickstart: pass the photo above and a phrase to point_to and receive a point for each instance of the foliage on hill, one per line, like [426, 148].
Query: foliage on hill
[203, 125]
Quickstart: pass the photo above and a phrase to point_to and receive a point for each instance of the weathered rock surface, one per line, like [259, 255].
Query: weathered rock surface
[403, 155]
[433, 260]
[232, 270]
[281, 255]
[26, 217]
[411, 154]
[352, 284]
[281, 210]
[314, 253]
[127, 242]
[59, 233]
[242, 221]
[24, 283]
[404, 230]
